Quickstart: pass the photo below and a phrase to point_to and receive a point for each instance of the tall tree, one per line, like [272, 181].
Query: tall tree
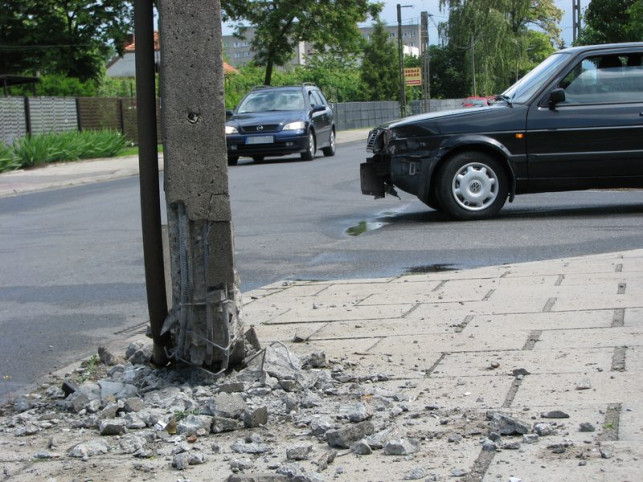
[380, 74]
[610, 21]
[281, 24]
[496, 37]
[70, 37]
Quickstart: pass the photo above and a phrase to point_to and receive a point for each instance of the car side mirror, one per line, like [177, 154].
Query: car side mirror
[556, 96]
[319, 108]
[228, 114]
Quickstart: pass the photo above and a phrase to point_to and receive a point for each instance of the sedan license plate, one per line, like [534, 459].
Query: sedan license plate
[260, 140]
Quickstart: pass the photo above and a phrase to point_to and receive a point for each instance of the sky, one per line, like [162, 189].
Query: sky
[411, 14]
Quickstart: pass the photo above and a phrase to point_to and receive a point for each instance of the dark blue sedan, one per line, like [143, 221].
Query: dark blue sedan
[281, 121]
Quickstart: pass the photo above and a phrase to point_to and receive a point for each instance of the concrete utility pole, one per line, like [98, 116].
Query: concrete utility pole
[204, 322]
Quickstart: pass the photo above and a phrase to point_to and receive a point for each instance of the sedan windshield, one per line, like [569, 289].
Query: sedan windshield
[522, 90]
[272, 101]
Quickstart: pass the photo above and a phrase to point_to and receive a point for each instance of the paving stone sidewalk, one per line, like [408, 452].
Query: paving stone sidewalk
[525, 372]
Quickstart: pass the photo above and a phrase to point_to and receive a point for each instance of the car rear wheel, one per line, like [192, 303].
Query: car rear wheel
[309, 154]
[472, 185]
[330, 150]
[233, 160]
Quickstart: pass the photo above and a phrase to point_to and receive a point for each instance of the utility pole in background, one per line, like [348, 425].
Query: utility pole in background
[426, 59]
[575, 20]
[204, 320]
[400, 53]
[400, 47]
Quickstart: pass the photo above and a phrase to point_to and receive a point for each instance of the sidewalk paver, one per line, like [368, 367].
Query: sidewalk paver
[432, 358]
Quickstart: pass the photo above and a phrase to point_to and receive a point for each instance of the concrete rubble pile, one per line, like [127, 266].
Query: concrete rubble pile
[282, 417]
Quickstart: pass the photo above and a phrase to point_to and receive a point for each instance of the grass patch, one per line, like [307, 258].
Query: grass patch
[39, 149]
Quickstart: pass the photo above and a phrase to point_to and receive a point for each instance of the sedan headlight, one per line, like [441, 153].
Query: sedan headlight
[231, 130]
[295, 126]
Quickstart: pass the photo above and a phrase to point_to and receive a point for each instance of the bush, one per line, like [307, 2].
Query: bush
[40, 149]
[8, 160]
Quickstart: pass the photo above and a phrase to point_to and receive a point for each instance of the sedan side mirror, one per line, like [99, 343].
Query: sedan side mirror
[228, 114]
[556, 96]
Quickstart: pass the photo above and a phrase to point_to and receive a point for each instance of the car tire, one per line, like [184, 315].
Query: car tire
[309, 153]
[330, 150]
[472, 185]
[432, 201]
[258, 159]
[233, 160]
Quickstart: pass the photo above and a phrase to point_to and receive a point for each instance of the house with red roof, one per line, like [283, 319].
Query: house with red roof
[125, 66]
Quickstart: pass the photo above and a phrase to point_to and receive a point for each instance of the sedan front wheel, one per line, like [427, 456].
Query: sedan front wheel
[472, 185]
[309, 153]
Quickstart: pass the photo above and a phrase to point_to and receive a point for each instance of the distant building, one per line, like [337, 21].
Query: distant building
[238, 51]
[125, 66]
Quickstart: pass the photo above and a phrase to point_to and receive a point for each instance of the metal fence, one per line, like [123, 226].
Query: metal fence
[20, 116]
[37, 115]
[359, 115]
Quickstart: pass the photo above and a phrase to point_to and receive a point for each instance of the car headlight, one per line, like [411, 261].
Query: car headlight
[231, 130]
[295, 126]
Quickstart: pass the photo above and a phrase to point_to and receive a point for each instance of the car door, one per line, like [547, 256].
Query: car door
[597, 131]
[322, 119]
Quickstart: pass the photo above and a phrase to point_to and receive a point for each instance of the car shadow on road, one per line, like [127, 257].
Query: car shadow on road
[247, 161]
[514, 213]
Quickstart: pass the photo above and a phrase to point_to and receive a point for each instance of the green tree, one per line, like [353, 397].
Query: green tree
[447, 72]
[635, 27]
[496, 37]
[611, 21]
[337, 76]
[380, 72]
[69, 37]
[328, 25]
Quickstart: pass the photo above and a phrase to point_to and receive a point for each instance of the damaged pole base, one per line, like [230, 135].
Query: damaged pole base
[159, 356]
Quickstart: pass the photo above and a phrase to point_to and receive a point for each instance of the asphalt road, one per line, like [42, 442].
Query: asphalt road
[71, 259]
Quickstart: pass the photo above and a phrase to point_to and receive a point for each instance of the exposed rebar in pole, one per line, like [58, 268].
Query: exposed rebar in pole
[149, 176]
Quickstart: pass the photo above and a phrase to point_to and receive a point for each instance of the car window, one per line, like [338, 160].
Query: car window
[318, 98]
[323, 99]
[265, 101]
[605, 79]
[523, 90]
[313, 100]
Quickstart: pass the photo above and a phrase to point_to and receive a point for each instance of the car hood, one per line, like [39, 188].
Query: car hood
[274, 117]
[474, 119]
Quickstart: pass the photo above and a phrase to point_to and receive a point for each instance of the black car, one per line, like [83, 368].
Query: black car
[574, 122]
[280, 121]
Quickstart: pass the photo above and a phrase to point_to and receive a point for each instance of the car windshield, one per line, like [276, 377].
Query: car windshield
[522, 90]
[265, 101]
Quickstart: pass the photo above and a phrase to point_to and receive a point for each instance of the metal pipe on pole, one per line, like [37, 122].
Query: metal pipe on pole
[149, 176]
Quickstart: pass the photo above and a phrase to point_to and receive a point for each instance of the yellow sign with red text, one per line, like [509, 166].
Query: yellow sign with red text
[413, 76]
